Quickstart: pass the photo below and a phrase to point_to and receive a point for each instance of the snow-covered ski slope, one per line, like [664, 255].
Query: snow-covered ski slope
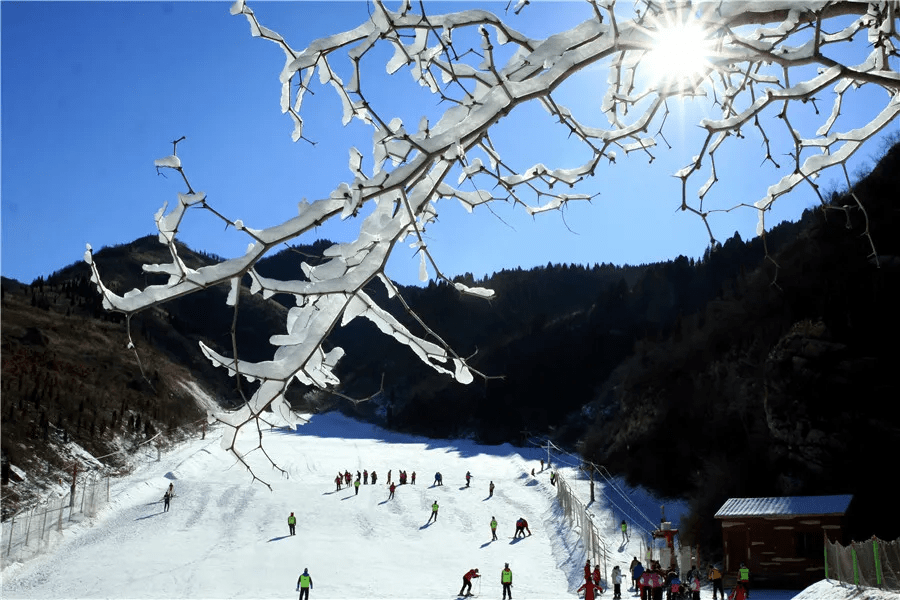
[225, 537]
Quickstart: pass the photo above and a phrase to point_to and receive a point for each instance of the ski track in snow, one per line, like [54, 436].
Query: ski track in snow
[226, 537]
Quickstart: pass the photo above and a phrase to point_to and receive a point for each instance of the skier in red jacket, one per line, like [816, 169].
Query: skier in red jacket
[466, 589]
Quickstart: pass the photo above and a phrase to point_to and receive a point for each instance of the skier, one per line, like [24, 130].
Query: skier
[292, 523]
[624, 527]
[304, 584]
[637, 569]
[356, 487]
[392, 488]
[468, 478]
[389, 476]
[595, 577]
[645, 585]
[337, 482]
[506, 582]
[166, 498]
[694, 585]
[587, 571]
[466, 589]
[617, 582]
[493, 529]
[434, 509]
[742, 587]
[589, 590]
[491, 490]
[171, 490]
[715, 576]
[413, 478]
[521, 526]
[438, 479]
[374, 477]
[365, 477]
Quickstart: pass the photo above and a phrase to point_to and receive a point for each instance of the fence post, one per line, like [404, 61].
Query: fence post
[28, 525]
[12, 523]
[44, 527]
[878, 575]
[825, 551]
[855, 565]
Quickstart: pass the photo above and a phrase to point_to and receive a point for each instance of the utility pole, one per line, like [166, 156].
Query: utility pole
[592, 484]
[72, 487]
[548, 454]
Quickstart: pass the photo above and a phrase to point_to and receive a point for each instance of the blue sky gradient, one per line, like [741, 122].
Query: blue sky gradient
[94, 92]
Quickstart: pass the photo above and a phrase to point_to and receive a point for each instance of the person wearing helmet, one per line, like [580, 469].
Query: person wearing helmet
[466, 589]
[506, 582]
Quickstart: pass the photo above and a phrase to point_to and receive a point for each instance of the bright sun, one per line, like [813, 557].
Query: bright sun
[680, 55]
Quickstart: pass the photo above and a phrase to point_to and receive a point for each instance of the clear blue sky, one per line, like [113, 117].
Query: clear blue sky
[93, 93]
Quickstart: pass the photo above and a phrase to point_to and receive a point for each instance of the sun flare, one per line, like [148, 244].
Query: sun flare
[680, 55]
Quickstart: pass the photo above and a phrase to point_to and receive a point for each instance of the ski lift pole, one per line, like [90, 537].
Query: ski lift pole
[548, 453]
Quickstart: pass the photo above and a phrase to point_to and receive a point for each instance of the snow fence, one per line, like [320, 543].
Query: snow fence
[31, 531]
[874, 563]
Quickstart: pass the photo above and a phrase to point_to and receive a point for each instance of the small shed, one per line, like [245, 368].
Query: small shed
[781, 539]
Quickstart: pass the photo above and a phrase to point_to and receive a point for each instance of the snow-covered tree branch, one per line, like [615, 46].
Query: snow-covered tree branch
[744, 57]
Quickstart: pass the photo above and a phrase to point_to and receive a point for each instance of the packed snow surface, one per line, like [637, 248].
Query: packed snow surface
[226, 537]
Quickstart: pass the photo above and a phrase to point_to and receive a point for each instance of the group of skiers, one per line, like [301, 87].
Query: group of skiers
[652, 582]
[591, 581]
[345, 479]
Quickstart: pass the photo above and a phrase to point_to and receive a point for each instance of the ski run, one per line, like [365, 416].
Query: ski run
[227, 537]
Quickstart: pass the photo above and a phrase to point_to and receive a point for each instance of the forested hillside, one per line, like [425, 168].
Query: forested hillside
[757, 370]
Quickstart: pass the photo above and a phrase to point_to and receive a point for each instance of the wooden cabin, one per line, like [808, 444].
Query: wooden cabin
[781, 539]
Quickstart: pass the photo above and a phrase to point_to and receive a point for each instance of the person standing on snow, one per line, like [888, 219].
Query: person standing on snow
[595, 577]
[374, 477]
[624, 527]
[715, 576]
[434, 509]
[292, 523]
[467, 582]
[166, 498]
[491, 490]
[356, 487]
[365, 477]
[617, 582]
[337, 482]
[694, 585]
[413, 478]
[468, 478]
[438, 479]
[304, 584]
[392, 488]
[637, 569]
[493, 528]
[506, 582]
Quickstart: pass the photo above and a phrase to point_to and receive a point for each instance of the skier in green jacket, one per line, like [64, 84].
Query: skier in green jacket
[304, 584]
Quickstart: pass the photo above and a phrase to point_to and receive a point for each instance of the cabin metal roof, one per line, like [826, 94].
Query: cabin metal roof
[784, 506]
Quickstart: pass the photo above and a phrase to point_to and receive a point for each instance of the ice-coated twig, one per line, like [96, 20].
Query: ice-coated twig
[479, 68]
